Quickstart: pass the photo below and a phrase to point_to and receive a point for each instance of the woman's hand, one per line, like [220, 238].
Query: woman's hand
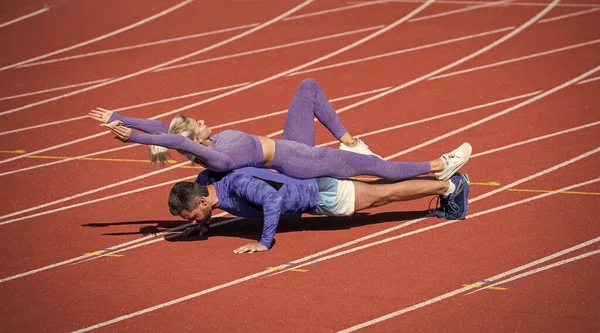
[100, 114]
[121, 132]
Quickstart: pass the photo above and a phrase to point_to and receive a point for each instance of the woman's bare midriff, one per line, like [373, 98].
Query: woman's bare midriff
[268, 147]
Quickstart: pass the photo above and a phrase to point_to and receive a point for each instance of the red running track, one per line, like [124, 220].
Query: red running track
[534, 133]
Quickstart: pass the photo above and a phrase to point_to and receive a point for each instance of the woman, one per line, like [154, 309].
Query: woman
[293, 155]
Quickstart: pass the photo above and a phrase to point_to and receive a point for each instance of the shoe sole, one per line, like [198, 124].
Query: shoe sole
[465, 194]
[447, 174]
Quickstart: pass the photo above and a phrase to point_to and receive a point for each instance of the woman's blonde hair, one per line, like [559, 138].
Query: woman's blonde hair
[179, 125]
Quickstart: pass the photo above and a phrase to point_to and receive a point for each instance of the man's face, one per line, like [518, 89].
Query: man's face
[202, 212]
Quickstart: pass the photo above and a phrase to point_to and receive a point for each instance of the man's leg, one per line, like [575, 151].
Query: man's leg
[370, 195]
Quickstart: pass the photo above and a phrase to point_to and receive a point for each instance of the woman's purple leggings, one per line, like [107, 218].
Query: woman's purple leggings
[297, 157]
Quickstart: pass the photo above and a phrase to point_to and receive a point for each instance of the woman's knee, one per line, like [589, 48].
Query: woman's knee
[309, 83]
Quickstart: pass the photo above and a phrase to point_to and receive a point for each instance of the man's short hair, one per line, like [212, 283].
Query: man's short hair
[184, 196]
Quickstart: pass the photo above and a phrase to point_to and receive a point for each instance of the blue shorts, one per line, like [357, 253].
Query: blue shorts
[336, 197]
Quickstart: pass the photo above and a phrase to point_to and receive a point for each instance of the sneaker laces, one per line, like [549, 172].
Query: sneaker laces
[359, 142]
[438, 210]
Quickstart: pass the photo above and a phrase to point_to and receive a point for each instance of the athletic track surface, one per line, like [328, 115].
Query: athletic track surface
[87, 242]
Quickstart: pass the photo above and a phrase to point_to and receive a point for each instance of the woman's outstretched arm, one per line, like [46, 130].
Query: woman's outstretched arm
[145, 125]
[213, 159]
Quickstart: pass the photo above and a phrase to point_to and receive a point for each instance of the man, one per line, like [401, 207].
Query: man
[253, 192]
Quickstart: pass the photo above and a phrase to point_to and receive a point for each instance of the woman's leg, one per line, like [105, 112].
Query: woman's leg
[309, 102]
[301, 161]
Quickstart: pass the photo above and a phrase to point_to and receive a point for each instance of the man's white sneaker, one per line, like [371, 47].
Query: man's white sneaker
[454, 160]
[359, 148]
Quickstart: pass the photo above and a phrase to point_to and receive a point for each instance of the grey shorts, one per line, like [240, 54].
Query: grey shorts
[336, 197]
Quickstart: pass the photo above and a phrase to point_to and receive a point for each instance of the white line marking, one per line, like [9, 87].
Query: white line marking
[53, 89]
[203, 292]
[68, 261]
[327, 11]
[69, 159]
[134, 145]
[285, 111]
[556, 18]
[216, 224]
[517, 3]
[131, 47]
[93, 40]
[572, 129]
[460, 61]
[270, 48]
[125, 108]
[180, 97]
[332, 54]
[448, 114]
[212, 225]
[192, 36]
[462, 10]
[539, 54]
[84, 194]
[540, 269]
[149, 69]
[405, 224]
[438, 298]
[43, 10]
[411, 49]
[501, 113]
[589, 80]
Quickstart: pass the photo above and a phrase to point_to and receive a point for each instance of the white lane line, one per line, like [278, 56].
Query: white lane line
[85, 193]
[184, 96]
[405, 224]
[556, 18]
[537, 270]
[213, 225]
[53, 89]
[572, 129]
[411, 49]
[149, 69]
[327, 11]
[179, 300]
[93, 40]
[126, 108]
[137, 46]
[516, 3]
[245, 120]
[170, 99]
[271, 48]
[450, 294]
[68, 261]
[225, 285]
[69, 159]
[457, 62]
[462, 10]
[134, 145]
[534, 55]
[299, 72]
[18, 19]
[443, 115]
[589, 80]
[501, 113]
[176, 39]
[271, 78]
[170, 67]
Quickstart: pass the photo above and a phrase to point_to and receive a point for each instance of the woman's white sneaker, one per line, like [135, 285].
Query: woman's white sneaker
[359, 148]
[454, 160]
